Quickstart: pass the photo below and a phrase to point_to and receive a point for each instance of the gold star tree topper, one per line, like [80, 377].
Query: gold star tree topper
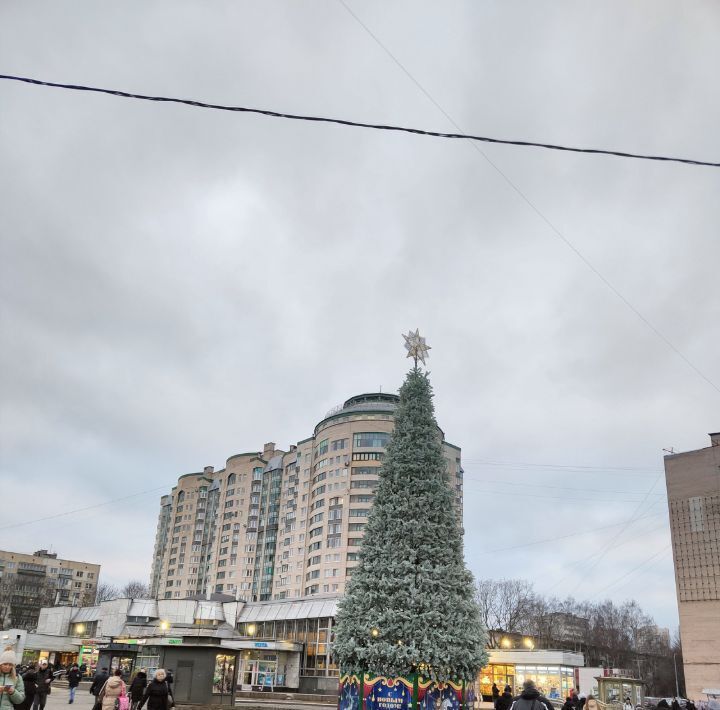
[416, 347]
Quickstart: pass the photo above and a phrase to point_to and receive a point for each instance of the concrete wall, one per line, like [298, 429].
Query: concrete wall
[113, 615]
[55, 620]
[319, 685]
[700, 633]
[693, 487]
[193, 668]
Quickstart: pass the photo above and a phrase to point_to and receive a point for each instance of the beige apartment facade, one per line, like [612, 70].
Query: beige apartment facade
[693, 489]
[276, 524]
[28, 582]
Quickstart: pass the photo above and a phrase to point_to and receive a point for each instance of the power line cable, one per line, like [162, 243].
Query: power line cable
[536, 209]
[357, 124]
[610, 544]
[88, 507]
[561, 537]
[635, 569]
[560, 488]
[600, 553]
[566, 499]
[602, 469]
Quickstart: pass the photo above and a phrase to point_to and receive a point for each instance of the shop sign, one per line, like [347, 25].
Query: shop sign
[174, 642]
[261, 644]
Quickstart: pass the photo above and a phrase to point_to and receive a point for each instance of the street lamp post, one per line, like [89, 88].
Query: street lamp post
[677, 685]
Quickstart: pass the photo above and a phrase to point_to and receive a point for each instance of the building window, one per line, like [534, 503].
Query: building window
[368, 456]
[339, 444]
[370, 439]
[359, 512]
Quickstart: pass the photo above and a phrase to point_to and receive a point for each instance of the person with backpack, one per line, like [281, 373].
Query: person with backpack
[73, 678]
[157, 694]
[99, 682]
[114, 689]
[531, 699]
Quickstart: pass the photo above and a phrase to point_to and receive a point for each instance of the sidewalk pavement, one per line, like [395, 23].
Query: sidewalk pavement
[58, 699]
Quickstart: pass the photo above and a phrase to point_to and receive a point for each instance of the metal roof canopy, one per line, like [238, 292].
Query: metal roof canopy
[316, 609]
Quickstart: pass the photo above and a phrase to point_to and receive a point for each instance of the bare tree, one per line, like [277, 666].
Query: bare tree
[105, 592]
[135, 589]
[21, 598]
[505, 606]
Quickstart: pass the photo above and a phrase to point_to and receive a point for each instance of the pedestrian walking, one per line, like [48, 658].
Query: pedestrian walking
[568, 704]
[627, 705]
[505, 701]
[169, 679]
[99, 681]
[73, 677]
[495, 694]
[137, 689]
[30, 682]
[530, 697]
[43, 682]
[112, 690]
[12, 687]
[591, 703]
[157, 694]
[675, 704]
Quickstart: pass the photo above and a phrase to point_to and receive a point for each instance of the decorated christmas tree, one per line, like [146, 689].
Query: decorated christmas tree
[409, 608]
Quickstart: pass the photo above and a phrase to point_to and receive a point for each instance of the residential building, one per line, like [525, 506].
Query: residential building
[28, 582]
[693, 491]
[276, 524]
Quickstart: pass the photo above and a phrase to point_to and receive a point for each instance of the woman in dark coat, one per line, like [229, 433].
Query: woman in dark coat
[157, 694]
[30, 680]
[137, 689]
[495, 694]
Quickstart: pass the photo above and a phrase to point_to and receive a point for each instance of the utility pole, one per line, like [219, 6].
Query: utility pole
[677, 686]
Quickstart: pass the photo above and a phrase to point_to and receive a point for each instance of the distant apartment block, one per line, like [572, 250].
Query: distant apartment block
[279, 524]
[29, 582]
[693, 489]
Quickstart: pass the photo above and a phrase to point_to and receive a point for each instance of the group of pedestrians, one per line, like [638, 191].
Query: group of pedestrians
[532, 699]
[26, 691]
[111, 693]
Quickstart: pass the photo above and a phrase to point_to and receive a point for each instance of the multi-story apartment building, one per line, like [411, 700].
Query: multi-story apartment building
[693, 490]
[281, 524]
[29, 582]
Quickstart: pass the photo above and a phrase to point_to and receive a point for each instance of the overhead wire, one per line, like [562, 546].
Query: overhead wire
[357, 124]
[561, 537]
[630, 521]
[80, 510]
[554, 229]
[630, 572]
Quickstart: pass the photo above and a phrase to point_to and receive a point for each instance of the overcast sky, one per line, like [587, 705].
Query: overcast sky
[179, 285]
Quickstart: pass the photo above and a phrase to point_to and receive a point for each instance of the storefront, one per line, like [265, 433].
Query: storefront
[553, 672]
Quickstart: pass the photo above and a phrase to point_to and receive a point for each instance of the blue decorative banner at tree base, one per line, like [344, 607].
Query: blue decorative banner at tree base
[402, 693]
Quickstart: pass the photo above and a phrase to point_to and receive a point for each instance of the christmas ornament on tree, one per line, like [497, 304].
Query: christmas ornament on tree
[409, 608]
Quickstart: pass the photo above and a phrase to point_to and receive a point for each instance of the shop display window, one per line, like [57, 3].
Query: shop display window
[554, 682]
[224, 674]
[148, 659]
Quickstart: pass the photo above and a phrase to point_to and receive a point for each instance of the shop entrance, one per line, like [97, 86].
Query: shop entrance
[256, 672]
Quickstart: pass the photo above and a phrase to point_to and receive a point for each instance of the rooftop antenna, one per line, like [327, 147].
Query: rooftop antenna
[671, 450]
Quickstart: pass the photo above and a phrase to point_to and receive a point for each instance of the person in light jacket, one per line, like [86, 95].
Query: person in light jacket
[114, 687]
[12, 687]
